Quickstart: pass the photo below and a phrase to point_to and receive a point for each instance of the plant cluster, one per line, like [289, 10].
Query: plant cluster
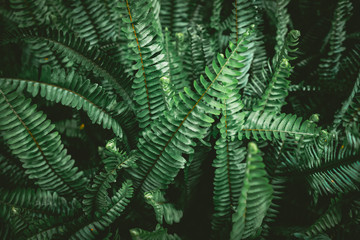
[179, 119]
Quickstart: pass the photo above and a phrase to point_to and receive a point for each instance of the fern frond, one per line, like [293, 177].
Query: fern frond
[19, 225]
[71, 89]
[329, 219]
[196, 13]
[174, 15]
[273, 212]
[330, 167]
[117, 205]
[50, 229]
[342, 177]
[77, 50]
[194, 60]
[329, 65]
[158, 234]
[31, 138]
[113, 159]
[146, 41]
[162, 145]
[91, 21]
[177, 76]
[228, 180]
[255, 197]
[243, 16]
[163, 209]
[199, 54]
[350, 63]
[168, 92]
[229, 163]
[270, 125]
[274, 95]
[343, 117]
[260, 78]
[313, 155]
[193, 170]
[30, 13]
[11, 173]
[278, 11]
[288, 49]
[35, 201]
[96, 200]
[260, 57]
[215, 17]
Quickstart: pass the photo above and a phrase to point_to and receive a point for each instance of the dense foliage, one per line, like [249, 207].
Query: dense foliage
[179, 119]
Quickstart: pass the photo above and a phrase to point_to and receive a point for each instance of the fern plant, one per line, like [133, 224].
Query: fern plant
[169, 119]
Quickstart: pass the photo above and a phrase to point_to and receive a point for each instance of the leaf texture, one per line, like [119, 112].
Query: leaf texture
[146, 41]
[118, 203]
[269, 125]
[35, 201]
[71, 89]
[255, 197]
[159, 233]
[77, 50]
[31, 138]
[163, 210]
[163, 143]
[229, 162]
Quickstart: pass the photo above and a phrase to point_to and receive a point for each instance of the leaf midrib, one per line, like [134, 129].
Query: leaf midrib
[141, 59]
[188, 114]
[36, 142]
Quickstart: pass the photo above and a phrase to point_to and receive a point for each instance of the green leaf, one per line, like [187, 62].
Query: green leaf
[270, 125]
[163, 210]
[71, 89]
[31, 138]
[329, 219]
[255, 197]
[91, 21]
[229, 164]
[145, 39]
[158, 234]
[35, 201]
[330, 65]
[163, 143]
[117, 205]
[77, 50]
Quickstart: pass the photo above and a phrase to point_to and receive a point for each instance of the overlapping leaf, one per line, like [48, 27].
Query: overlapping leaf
[158, 234]
[255, 197]
[35, 201]
[162, 144]
[31, 138]
[329, 219]
[75, 49]
[71, 89]
[229, 162]
[143, 32]
[268, 125]
[118, 203]
[330, 65]
[163, 209]
[92, 21]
